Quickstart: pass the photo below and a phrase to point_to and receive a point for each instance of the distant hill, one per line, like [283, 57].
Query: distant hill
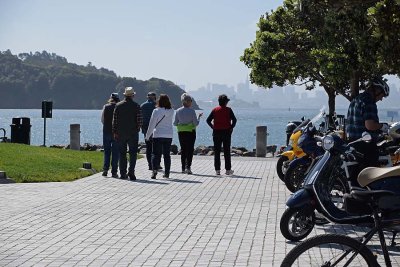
[29, 78]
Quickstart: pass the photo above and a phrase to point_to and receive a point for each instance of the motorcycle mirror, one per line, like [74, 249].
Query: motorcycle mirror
[366, 137]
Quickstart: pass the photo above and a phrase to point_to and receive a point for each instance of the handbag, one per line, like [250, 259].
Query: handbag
[151, 136]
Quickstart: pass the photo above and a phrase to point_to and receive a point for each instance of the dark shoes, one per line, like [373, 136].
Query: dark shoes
[124, 176]
[104, 173]
[132, 176]
[166, 176]
[154, 175]
[114, 175]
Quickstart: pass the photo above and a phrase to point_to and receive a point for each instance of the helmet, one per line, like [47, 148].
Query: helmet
[381, 84]
[394, 130]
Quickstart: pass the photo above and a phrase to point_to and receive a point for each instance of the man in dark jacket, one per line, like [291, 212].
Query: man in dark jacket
[223, 123]
[127, 121]
[111, 151]
[147, 109]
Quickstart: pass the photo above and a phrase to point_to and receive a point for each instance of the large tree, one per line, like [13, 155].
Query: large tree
[314, 42]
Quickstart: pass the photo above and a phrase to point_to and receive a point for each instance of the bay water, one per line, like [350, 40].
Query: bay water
[57, 128]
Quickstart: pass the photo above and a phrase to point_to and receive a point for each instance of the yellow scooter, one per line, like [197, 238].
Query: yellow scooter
[293, 151]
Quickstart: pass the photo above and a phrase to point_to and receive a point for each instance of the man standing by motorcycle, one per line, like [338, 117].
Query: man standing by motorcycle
[362, 116]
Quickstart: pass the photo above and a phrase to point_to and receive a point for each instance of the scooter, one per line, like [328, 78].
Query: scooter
[320, 193]
[293, 150]
[299, 167]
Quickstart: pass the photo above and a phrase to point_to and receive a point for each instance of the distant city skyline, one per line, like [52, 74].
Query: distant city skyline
[278, 97]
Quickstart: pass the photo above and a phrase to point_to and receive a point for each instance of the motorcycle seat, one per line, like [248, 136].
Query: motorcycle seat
[372, 174]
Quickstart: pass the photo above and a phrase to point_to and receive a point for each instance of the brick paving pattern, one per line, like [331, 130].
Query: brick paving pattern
[187, 220]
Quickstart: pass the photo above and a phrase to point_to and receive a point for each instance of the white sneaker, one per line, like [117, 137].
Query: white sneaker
[218, 172]
[229, 172]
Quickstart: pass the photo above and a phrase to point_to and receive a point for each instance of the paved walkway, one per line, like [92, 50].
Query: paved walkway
[188, 220]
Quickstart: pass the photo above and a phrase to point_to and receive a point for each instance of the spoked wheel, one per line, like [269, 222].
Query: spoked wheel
[281, 166]
[294, 177]
[329, 250]
[297, 223]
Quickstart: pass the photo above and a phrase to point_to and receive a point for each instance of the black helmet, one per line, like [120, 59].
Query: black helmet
[381, 84]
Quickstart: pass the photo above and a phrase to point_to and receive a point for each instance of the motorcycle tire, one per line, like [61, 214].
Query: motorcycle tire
[297, 223]
[294, 177]
[281, 167]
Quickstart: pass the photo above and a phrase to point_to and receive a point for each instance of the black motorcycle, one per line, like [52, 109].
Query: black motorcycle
[320, 192]
[299, 167]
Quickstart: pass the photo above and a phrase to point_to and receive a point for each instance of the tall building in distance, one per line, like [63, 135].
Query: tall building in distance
[249, 96]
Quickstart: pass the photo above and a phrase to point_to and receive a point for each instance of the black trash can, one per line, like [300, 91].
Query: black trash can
[21, 130]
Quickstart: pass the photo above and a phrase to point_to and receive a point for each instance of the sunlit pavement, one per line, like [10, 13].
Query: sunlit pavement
[187, 220]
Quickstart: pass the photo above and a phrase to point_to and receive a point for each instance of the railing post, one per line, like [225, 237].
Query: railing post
[261, 141]
[75, 136]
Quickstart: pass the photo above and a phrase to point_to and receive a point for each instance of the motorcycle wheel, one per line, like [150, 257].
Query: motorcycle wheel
[281, 167]
[296, 223]
[294, 177]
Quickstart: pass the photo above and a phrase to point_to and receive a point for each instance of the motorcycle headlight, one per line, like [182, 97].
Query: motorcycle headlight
[327, 142]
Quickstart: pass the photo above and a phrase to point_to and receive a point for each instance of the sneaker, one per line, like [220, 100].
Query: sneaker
[188, 171]
[114, 175]
[229, 172]
[104, 173]
[154, 175]
[131, 176]
[218, 172]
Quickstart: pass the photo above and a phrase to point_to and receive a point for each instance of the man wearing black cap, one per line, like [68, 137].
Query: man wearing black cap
[111, 151]
[147, 109]
[222, 121]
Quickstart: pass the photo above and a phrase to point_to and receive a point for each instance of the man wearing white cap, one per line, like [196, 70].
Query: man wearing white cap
[127, 121]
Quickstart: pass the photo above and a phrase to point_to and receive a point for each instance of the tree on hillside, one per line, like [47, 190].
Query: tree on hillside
[311, 42]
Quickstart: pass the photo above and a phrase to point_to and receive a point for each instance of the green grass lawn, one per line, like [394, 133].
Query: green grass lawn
[26, 164]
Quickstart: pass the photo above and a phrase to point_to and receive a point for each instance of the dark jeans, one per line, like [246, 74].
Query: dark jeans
[132, 143]
[187, 140]
[149, 151]
[370, 159]
[111, 152]
[222, 137]
[161, 146]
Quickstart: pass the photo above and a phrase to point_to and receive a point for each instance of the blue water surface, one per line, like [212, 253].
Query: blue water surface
[91, 128]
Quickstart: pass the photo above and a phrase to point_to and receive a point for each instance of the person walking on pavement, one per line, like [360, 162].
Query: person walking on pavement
[111, 151]
[186, 123]
[160, 130]
[222, 120]
[147, 109]
[127, 121]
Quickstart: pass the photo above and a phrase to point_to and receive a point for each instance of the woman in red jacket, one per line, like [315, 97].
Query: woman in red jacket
[222, 121]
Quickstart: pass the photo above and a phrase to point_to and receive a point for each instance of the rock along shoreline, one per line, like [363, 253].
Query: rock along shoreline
[200, 150]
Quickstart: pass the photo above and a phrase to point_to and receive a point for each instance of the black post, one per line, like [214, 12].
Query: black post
[47, 109]
[44, 133]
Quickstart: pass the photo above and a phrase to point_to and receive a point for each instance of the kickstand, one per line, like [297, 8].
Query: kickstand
[393, 243]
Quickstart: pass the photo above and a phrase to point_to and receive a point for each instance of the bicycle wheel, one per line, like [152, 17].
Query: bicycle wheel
[329, 250]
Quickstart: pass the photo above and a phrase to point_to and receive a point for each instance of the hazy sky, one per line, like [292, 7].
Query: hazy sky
[188, 42]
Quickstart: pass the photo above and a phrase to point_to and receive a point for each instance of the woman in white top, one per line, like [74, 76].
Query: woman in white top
[160, 130]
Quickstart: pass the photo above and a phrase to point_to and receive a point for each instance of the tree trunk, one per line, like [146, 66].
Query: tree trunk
[331, 105]
[354, 84]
